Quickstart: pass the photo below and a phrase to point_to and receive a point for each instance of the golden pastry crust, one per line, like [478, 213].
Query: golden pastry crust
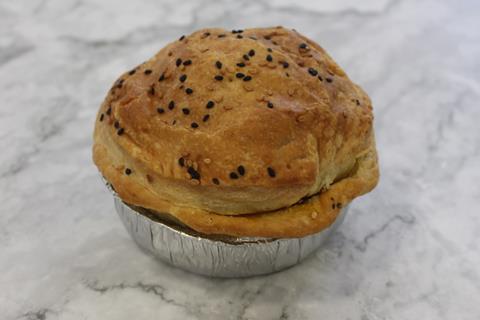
[220, 124]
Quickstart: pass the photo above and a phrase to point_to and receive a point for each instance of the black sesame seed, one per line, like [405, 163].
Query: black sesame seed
[205, 117]
[271, 172]
[128, 171]
[270, 105]
[193, 173]
[206, 34]
[358, 102]
[210, 104]
[218, 64]
[215, 181]
[269, 58]
[267, 37]
[109, 111]
[333, 205]
[162, 77]
[247, 78]
[245, 57]
[285, 64]
[189, 91]
[269, 49]
[251, 53]
[329, 80]
[320, 78]
[339, 205]
[241, 170]
[222, 35]
[239, 36]
[241, 64]
[233, 175]
[181, 162]
[148, 71]
[239, 75]
[303, 200]
[101, 117]
[116, 125]
[132, 71]
[234, 31]
[239, 31]
[151, 91]
[187, 62]
[303, 46]
[181, 38]
[186, 111]
[160, 110]
[183, 77]
[218, 77]
[171, 105]
[120, 131]
[178, 62]
[194, 125]
[312, 71]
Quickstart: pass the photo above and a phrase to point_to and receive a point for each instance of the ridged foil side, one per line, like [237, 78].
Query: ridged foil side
[229, 257]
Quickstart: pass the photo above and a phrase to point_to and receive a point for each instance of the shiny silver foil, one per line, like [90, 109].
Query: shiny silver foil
[216, 256]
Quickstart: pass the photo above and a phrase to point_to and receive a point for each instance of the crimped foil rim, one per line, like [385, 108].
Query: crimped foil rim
[230, 257]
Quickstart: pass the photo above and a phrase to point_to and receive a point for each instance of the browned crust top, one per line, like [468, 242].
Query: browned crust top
[233, 123]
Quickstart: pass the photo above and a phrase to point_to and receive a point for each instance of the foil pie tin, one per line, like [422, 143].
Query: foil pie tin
[216, 256]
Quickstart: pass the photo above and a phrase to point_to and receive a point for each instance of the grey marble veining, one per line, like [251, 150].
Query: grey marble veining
[409, 250]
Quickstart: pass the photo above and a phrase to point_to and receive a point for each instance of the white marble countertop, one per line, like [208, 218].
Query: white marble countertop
[408, 250]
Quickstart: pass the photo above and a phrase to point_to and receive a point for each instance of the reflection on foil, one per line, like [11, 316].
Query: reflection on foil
[216, 256]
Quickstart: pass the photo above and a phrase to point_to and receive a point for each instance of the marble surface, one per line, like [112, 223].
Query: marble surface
[408, 250]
